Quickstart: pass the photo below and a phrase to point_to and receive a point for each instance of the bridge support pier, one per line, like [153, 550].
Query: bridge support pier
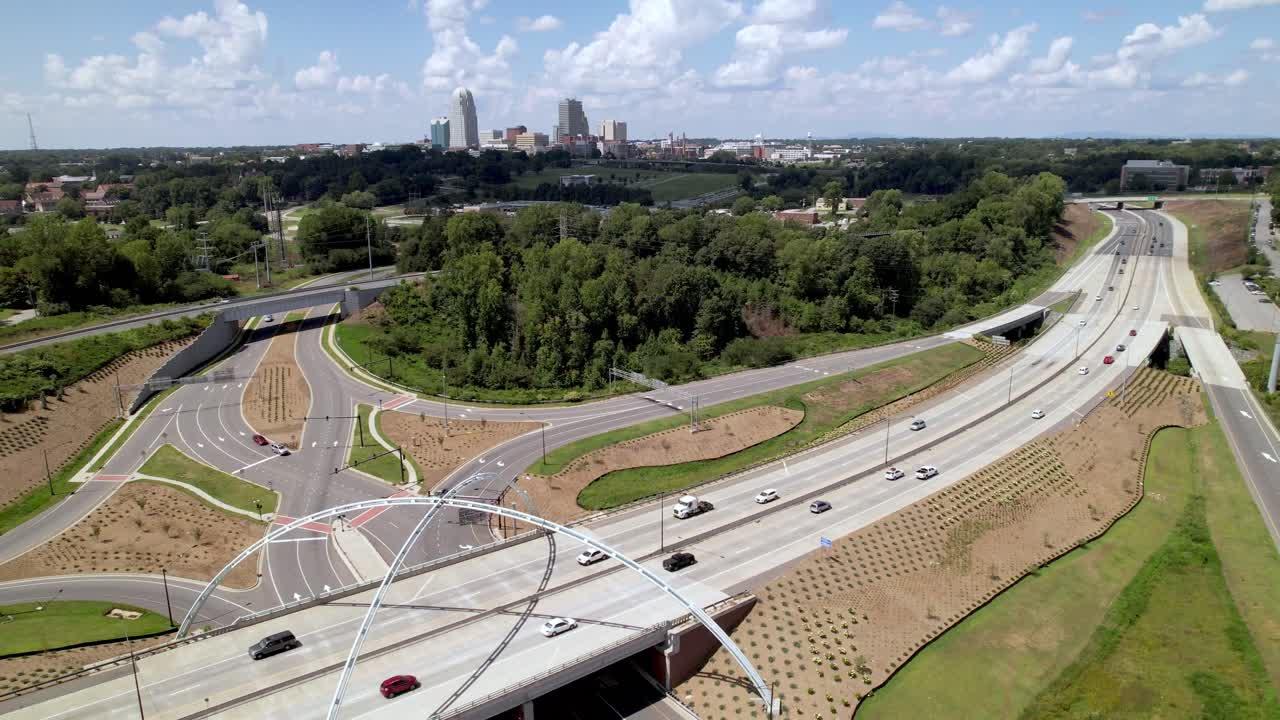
[689, 646]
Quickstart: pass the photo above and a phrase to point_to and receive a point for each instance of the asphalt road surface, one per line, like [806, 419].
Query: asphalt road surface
[1247, 312]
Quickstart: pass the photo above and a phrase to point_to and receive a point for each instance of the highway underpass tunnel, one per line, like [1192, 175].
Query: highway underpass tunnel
[1164, 352]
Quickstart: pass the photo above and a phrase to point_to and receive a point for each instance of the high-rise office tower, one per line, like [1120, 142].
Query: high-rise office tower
[613, 131]
[440, 132]
[463, 131]
[572, 120]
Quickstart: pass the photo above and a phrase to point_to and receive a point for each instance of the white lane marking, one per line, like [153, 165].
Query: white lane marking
[1246, 414]
[301, 539]
[242, 433]
[200, 444]
[1268, 456]
[313, 443]
[221, 439]
[335, 443]
[297, 597]
[259, 462]
[326, 590]
[466, 547]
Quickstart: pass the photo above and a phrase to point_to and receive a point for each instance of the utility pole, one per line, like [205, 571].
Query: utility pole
[257, 279]
[284, 255]
[133, 665]
[368, 241]
[32, 129]
[48, 475]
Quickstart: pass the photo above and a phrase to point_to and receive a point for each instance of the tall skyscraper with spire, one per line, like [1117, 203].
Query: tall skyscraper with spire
[463, 129]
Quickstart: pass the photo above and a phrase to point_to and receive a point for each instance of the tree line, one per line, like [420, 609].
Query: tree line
[676, 294]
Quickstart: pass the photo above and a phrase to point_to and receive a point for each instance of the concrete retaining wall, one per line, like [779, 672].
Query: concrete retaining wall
[215, 339]
[690, 645]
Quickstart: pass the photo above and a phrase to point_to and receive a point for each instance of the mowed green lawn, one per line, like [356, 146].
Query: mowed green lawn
[665, 186]
[168, 462]
[23, 628]
[919, 370]
[1171, 614]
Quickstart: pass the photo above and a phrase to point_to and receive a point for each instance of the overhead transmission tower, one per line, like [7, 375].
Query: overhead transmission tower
[32, 129]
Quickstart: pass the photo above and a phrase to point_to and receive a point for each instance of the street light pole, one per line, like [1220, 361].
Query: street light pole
[164, 575]
[887, 423]
[48, 475]
[133, 665]
[1010, 400]
[662, 515]
[544, 442]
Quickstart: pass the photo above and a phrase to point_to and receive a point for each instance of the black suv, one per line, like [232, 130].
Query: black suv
[273, 644]
[678, 561]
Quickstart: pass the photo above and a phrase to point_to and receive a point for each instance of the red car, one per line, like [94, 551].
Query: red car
[259, 440]
[1133, 333]
[398, 685]
[1108, 360]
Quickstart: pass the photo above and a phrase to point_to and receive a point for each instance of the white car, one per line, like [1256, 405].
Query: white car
[555, 626]
[1083, 370]
[926, 472]
[766, 496]
[591, 555]
[1081, 323]
[279, 448]
[893, 473]
[1037, 414]
[1099, 297]
[1135, 308]
[917, 424]
[269, 318]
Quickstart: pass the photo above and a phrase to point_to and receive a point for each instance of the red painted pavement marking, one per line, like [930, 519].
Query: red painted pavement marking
[110, 478]
[397, 401]
[372, 513]
[313, 526]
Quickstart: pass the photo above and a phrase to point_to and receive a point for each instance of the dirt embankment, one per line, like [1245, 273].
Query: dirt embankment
[142, 528]
[24, 671]
[278, 396]
[438, 452]
[556, 497]
[840, 623]
[1226, 226]
[63, 426]
[1078, 224]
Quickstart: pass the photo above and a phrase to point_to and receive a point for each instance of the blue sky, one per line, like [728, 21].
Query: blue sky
[223, 72]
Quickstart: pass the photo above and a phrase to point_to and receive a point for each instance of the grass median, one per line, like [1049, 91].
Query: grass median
[1139, 621]
[827, 404]
[386, 466]
[170, 463]
[36, 627]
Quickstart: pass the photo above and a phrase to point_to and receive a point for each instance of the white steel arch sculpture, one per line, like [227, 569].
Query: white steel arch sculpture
[762, 688]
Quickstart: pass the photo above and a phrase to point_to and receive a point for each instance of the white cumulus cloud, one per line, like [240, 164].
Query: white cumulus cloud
[996, 61]
[899, 16]
[953, 23]
[455, 58]
[320, 75]
[542, 23]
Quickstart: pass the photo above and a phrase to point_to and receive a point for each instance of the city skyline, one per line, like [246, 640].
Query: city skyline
[227, 72]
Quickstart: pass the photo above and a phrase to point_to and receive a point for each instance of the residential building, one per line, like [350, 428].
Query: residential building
[1243, 176]
[579, 145]
[193, 159]
[96, 202]
[613, 130]
[463, 130]
[1069, 152]
[275, 159]
[492, 143]
[515, 132]
[440, 132]
[571, 180]
[532, 142]
[10, 207]
[1159, 174]
[615, 148]
[573, 121]
[845, 205]
[494, 135]
[791, 153]
[350, 151]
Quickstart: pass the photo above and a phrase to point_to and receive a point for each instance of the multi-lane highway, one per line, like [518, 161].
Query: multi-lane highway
[613, 604]
[442, 626]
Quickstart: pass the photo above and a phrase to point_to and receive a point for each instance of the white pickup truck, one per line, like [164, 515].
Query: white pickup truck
[689, 505]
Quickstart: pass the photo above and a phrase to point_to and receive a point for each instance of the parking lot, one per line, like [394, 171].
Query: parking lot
[1246, 311]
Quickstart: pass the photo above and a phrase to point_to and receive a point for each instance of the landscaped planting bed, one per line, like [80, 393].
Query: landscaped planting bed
[841, 622]
[278, 397]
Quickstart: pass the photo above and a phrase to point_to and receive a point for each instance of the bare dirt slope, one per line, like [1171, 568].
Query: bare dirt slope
[23, 671]
[1226, 226]
[556, 497]
[278, 395]
[840, 623]
[144, 527]
[1078, 224]
[65, 425]
[438, 452]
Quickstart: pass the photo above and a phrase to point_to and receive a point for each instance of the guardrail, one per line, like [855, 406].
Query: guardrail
[459, 710]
